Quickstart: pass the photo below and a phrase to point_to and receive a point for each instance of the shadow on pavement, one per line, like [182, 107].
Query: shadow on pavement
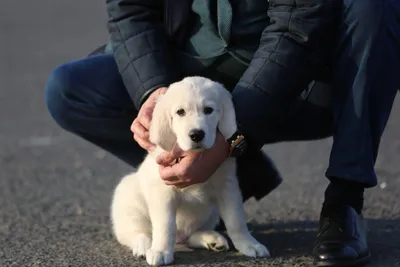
[291, 242]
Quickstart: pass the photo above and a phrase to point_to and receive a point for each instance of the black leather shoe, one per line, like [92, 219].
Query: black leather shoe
[342, 239]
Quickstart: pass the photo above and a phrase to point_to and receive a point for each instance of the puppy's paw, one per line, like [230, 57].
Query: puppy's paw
[141, 245]
[219, 244]
[211, 240]
[252, 249]
[158, 258]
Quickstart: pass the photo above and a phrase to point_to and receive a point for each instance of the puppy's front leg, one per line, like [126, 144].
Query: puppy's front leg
[232, 213]
[162, 209]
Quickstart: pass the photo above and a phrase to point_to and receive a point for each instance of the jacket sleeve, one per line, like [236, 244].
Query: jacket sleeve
[290, 51]
[140, 46]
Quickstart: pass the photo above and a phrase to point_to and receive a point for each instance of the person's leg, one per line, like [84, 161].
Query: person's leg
[88, 98]
[366, 81]
[366, 69]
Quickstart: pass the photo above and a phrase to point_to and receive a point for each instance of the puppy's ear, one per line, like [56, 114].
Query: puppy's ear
[161, 125]
[227, 123]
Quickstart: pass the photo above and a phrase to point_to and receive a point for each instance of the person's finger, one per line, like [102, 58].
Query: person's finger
[181, 185]
[144, 143]
[168, 172]
[166, 158]
[178, 183]
[140, 131]
[145, 119]
[166, 175]
[173, 179]
[135, 121]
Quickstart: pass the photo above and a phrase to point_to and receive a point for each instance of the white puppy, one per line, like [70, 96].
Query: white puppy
[150, 217]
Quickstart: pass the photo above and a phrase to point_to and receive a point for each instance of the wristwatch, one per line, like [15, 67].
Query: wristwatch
[238, 144]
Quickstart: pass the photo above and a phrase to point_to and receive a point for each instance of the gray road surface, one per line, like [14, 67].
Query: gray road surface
[55, 188]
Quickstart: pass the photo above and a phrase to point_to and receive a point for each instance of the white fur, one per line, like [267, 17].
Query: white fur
[150, 217]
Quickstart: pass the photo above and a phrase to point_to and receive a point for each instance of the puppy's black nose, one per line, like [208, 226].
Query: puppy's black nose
[196, 135]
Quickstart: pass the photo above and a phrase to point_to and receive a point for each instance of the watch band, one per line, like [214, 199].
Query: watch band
[237, 143]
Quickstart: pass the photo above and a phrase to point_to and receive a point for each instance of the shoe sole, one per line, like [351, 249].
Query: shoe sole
[358, 262]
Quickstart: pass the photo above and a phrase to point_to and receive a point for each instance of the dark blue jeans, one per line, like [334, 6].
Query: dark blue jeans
[87, 97]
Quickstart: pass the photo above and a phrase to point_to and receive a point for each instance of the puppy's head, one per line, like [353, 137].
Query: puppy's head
[190, 113]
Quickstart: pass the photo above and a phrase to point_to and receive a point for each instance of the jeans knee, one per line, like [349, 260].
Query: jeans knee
[57, 89]
[365, 16]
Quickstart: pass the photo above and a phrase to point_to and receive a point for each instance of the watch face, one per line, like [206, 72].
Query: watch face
[238, 144]
[239, 149]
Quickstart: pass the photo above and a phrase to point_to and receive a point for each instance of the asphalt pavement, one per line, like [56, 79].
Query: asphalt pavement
[55, 188]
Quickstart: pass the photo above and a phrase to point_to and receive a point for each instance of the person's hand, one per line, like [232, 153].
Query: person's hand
[193, 167]
[140, 126]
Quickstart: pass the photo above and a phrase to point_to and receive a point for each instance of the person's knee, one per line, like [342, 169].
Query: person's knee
[365, 15]
[58, 87]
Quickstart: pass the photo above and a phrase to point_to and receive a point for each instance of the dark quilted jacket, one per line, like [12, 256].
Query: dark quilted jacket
[293, 49]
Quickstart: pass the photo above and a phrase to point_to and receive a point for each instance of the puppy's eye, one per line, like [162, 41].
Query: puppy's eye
[181, 112]
[208, 110]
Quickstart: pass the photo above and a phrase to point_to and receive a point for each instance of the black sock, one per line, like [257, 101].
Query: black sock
[342, 193]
